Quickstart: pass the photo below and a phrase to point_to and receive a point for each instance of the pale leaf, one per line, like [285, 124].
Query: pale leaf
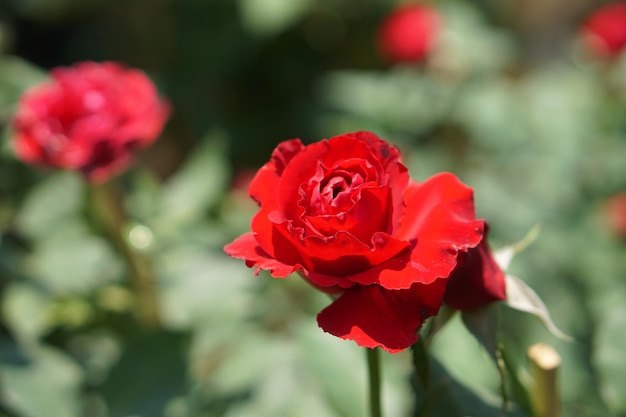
[523, 298]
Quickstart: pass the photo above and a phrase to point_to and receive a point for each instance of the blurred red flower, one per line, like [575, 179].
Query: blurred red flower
[605, 30]
[408, 33]
[344, 213]
[89, 117]
[615, 211]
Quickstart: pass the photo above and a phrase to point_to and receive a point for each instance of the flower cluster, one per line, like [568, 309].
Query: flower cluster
[90, 117]
[344, 213]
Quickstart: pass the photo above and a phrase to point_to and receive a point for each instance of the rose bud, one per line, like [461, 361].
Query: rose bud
[605, 30]
[477, 280]
[90, 117]
[345, 215]
[409, 33]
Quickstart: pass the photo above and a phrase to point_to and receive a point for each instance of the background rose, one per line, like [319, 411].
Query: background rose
[344, 213]
[614, 211]
[408, 33]
[605, 30]
[89, 117]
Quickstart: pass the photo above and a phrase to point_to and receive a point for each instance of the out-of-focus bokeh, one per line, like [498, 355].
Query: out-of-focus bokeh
[513, 97]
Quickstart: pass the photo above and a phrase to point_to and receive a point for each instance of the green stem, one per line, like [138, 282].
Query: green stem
[373, 365]
[421, 378]
[111, 214]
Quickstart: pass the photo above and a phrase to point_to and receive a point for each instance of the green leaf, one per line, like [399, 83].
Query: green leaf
[39, 382]
[520, 296]
[437, 323]
[465, 31]
[610, 344]
[519, 380]
[251, 359]
[343, 379]
[402, 99]
[202, 288]
[483, 323]
[421, 366]
[74, 264]
[16, 75]
[51, 204]
[473, 367]
[149, 374]
[26, 310]
[337, 370]
[142, 203]
[449, 398]
[267, 17]
[195, 187]
[283, 391]
[505, 255]
[298, 403]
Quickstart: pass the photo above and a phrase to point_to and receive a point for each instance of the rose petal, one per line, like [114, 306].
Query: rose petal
[440, 215]
[357, 145]
[396, 173]
[367, 216]
[304, 166]
[264, 185]
[105, 160]
[385, 152]
[28, 149]
[247, 248]
[336, 260]
[276, 236]
[373, 316]
[440, 222]
[442, 203]
[476, 281]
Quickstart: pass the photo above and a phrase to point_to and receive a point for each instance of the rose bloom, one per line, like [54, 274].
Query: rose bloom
[605, 30]
[344, 214]
[408, 33]
[90, 117]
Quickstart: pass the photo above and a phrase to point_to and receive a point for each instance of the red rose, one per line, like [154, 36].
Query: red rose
[408, 33]
[477, 280]
[605, 30]
[344, 213]
[90, 117]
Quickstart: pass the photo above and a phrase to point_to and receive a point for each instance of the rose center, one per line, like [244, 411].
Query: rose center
[334, 186]
[333, 191]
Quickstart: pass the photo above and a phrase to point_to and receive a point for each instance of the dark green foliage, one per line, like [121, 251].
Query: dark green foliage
[511, 105]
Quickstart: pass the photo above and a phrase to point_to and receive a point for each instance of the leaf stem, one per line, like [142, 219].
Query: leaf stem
[544, 366]
[111, 214]
[421, 377]
[373, 365]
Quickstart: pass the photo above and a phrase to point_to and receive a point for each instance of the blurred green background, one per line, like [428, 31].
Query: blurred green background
[510, 102]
